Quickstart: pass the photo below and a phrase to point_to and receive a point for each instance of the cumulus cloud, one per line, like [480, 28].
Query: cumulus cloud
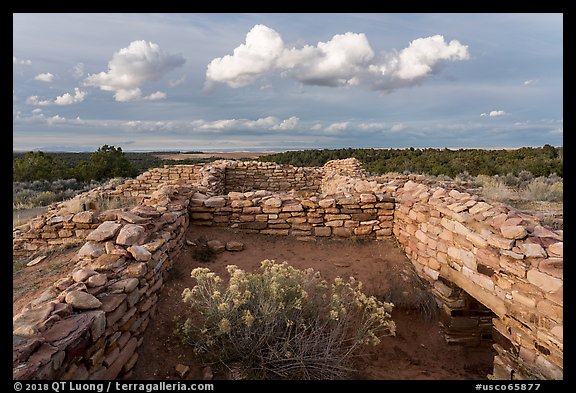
[69, 99]
[33, 100]
[17, 61]
[65, 99]
[156, 96]
[494, 114]
[288, 124]
[131, 67]
[345, 60]
[530, 82]
[44, 77]
[341, 126]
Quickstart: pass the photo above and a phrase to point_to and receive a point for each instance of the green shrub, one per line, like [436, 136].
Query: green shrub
[282, 323]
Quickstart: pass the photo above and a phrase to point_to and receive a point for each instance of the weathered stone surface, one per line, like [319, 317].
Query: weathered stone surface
[215, 202]
[234, 246]
[556, 249]
[513, 231]
[130, 234]
[107, 262]
[532, 250]
[294, 207]
[342, 232]
[83, 274]
[96, 280]
[216, 245]
[82, 300]
[25, 323]
[105, 231]
[86, 217]
[182, 370]
[543, 281]
[127, 285]
[36, 260]
[111, 302]
[91, 249]
[132, 218]
[140, 253]
[135, 270]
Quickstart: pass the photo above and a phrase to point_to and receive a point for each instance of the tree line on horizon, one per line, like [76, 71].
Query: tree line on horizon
[539, 161]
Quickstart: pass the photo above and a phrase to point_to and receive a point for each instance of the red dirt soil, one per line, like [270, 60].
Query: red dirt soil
[417, 352]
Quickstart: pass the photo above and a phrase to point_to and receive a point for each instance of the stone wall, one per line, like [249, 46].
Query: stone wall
[254, 175]
[89, 324]
[149, 181]
[501, 257]
[297, 213]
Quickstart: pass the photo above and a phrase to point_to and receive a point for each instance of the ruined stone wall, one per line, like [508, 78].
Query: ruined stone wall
[149, 181]
[501, 257]
[89, 324]
[254, 175]
[297, 213]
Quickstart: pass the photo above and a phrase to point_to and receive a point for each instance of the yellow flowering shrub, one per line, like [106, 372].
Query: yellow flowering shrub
[282, 322]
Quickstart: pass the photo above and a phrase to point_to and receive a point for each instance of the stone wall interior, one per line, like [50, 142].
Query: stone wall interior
[496, 273]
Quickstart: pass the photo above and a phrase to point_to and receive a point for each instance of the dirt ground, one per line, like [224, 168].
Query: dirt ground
[418, 351]
[225, 156]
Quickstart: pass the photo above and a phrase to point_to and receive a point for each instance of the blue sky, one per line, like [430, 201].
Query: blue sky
[217, 82]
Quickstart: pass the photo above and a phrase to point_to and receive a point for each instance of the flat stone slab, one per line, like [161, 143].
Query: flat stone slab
[130, 234]
[36, 260]
[82, 300]
[105, 231]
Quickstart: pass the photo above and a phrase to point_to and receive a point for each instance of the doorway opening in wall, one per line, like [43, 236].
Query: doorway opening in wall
[465, 322]
[418, 351]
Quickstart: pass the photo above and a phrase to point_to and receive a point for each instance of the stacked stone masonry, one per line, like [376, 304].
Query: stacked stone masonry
[89, 324]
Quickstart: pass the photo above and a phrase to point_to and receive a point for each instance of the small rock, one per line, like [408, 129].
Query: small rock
[82, 300]
[182, 370]
[105, 231]
[96, 280]
[340, 264]
[190, 243]
[130, 234]
[140, 253]
[216, 245]
[82, 274]
[234, 246]
[207, 374]
[36, 260]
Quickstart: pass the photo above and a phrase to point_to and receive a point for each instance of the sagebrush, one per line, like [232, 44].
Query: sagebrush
[281, 322]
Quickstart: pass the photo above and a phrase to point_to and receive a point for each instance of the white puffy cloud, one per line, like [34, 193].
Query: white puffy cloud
[44, 77]
[69, 99]
[494, 114]
[341, 126]
[288, 124]
[530, 82]
[345, 60]
[156, 96]
[64, 99]
[17, 61]
[33, 100]
[131, 67]
[37, 111]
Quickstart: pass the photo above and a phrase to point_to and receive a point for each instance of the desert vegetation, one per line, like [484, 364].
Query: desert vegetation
[539, 161]
[282, 322]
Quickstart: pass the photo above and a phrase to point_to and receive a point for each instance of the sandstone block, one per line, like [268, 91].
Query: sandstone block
[82, 300]
[513, 231]
[533, 250]
[130, 234]
[544, 281]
